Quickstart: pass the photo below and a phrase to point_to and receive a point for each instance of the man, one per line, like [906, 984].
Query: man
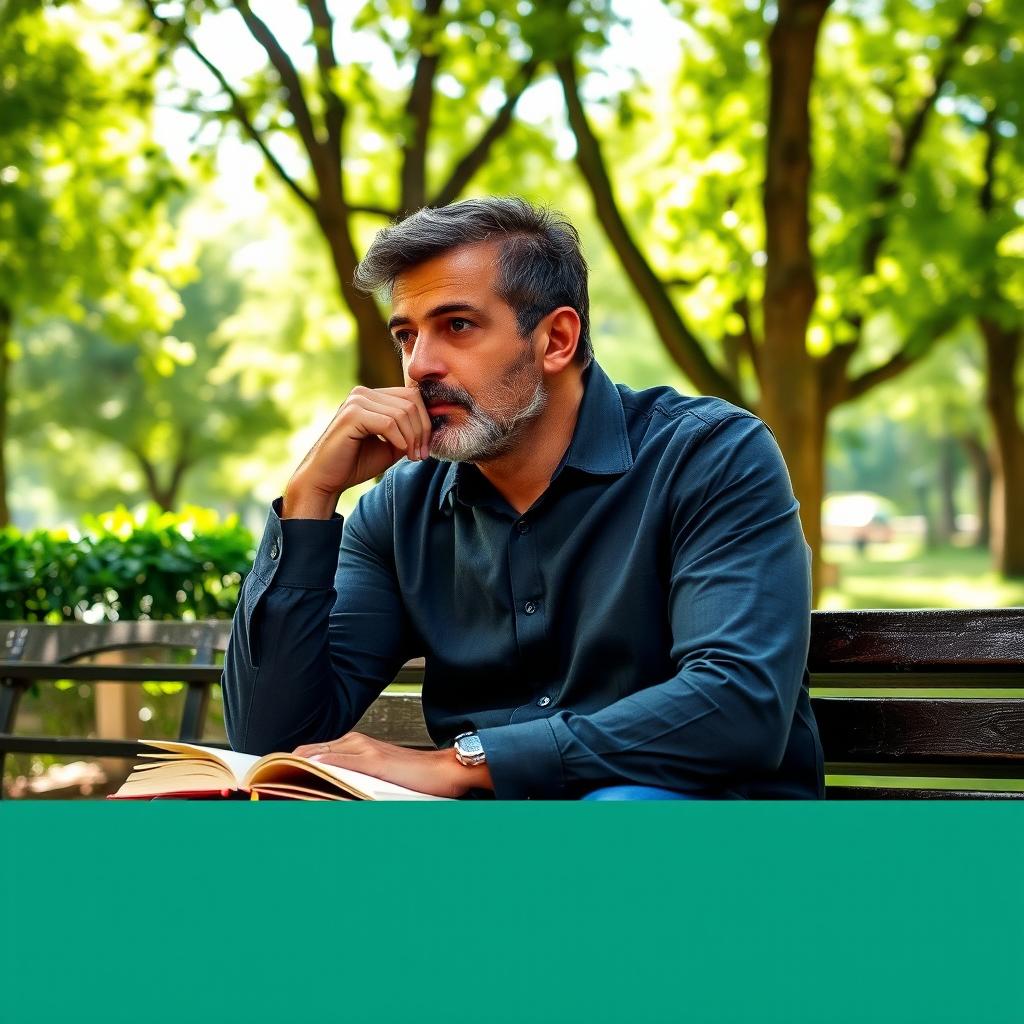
[610, 588]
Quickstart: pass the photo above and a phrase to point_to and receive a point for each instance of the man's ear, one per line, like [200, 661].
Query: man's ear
[560, 334]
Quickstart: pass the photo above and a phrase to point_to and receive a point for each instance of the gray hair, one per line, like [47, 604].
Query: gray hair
[540, 265]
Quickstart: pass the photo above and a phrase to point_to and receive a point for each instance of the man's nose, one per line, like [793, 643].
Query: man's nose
[425, 360]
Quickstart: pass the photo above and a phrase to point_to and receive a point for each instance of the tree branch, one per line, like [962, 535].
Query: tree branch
[894, 366]
[238, 108]
[986, 197]
[148, 472]
[742, 308]
[418, 111]
[477, 155]
[915, 127]
[907, 138]
[375, 211]
[833, 382]
[182, 464]
[334, 106]
[323, 166]
[913, 348]
[677, 338]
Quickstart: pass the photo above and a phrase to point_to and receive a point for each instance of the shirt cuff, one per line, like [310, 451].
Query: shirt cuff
[299, 552]
[524, 760]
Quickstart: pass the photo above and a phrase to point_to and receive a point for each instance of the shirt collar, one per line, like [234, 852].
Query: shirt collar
[600, 442]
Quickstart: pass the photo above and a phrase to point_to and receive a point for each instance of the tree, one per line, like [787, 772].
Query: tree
[78, 219]
[754, 324]
[350, 146]
[999, 297]
[151, 416]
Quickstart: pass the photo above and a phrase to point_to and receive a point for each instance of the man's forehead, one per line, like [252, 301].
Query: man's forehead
[468, 270]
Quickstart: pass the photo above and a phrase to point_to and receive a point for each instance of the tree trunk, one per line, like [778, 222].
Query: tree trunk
[791, 406]
[164, 496]
[947, 487]
[981, 466]
[1003, 351]
[791, 384]
[376, 365]
[6, 319]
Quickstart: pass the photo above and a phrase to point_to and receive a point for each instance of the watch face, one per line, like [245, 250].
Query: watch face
[471, 746]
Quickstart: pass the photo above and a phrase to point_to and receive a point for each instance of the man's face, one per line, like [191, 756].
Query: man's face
[460, 346]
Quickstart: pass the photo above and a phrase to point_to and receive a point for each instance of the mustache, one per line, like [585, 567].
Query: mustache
[435, 392]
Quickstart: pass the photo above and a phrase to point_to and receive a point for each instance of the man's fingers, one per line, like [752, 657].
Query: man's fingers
[307, 749]
[341, 760]
[415, 400]
[408, 416]
[350, 742]
[397, 433]
[421, 409]
[403, 412]
[371, 430]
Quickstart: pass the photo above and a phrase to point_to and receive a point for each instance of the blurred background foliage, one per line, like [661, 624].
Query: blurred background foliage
[186, 186]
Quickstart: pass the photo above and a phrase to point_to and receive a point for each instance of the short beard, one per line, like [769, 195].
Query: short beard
[484, 436]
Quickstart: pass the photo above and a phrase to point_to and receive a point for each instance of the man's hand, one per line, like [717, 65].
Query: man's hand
[428, 771]
[371, 431]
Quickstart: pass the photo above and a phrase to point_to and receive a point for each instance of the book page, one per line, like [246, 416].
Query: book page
[284, 768]
[287, 791]
[237, 764]
[168, 779]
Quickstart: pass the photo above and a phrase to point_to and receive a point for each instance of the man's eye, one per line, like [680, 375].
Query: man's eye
[459, 325]
[402, 339]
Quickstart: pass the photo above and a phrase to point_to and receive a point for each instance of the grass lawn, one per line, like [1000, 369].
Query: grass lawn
[904, 575]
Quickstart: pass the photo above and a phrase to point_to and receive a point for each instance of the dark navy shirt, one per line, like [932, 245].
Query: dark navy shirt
[646, 621]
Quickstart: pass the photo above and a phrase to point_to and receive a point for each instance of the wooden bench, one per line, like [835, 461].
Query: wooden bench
[900, 696]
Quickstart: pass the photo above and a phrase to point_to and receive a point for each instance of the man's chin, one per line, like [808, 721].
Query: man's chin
[450, 449]
[440, 446]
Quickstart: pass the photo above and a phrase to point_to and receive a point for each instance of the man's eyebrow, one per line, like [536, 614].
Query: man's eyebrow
[444, 309]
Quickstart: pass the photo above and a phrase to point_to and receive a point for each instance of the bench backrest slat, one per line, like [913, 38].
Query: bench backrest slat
[984, 640]
[921, 729]
[71, 640]
[397, 718]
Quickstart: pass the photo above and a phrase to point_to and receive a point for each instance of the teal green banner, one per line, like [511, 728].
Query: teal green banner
[518, 913]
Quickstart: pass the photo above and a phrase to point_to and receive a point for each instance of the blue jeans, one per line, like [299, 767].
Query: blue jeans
[630, 792]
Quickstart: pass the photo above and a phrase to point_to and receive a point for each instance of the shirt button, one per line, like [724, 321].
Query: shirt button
[530, 607]
[274, 551]
[523, 526]
[543, 702]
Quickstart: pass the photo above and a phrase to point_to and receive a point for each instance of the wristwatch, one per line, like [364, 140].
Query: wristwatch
[469, 750]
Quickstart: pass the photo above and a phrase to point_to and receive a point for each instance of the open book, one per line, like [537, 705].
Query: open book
[188, 770]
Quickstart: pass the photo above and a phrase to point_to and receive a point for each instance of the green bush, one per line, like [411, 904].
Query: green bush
[156, 565]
